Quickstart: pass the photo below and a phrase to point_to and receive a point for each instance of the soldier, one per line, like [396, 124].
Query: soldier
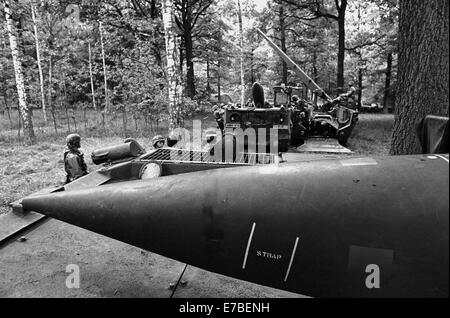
[349, 96]
[296, 103]
[158, 142]
[218, 115]
[74, 159]
[345, 99]
[302, 108]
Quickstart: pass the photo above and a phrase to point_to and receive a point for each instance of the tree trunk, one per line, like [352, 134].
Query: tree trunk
[5, 92]
[135, 117]
[50, 96]
[92, 78]
[23, 107]
[103, 121]
[190, 75]
[38, 56]
[172, 70]
[85, 120]
[241, 44]
[19, 119]
[219, 66]
[67, 115]
[181, 49]
[106, 110]
[252, 65]
[341, 43]
[208, 78]
[145, 121]
[360, 87]
[315, 72]
[124, 120]
[8, 110]
[73, 114]
[218, 81]
[65, 104]
[423, 69]
[387, 87]
[283, 42]
[154, 14]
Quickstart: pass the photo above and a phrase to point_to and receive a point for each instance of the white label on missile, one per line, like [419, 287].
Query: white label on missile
[248, 245]
[292, 259]
[269, 255]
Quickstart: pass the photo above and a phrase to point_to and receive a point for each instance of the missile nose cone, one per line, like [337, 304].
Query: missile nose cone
[59, 205]
[37, 204]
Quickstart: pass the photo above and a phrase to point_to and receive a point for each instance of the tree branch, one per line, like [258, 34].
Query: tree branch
[369, 43]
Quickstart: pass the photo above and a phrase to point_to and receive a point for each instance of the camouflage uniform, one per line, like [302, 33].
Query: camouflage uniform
[74, 159]
[218, 115]
[349, 96]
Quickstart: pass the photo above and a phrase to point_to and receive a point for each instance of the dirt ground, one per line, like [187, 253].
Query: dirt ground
[108, 268]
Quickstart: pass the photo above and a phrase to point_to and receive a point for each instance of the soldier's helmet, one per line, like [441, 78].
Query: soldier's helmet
[351, 83]
[73, 141]
[157, 139]
[295, 98]
[172, 140]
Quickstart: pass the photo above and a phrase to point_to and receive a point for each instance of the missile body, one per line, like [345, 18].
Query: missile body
[359, 227]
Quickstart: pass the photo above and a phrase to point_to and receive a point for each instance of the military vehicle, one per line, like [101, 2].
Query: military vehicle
[295, 116]
[335, 227]
[324, 228]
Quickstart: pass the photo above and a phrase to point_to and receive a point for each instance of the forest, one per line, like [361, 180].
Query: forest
[109, 57]
[128, 66]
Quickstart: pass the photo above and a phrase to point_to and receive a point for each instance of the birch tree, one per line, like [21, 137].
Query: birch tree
[241, 45]
[91, 77]
[171, 57]
[50, 88]
[18, 72]
[38, 57]
[104, 69]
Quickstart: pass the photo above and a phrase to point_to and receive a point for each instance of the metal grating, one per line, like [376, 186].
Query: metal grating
[183, 155]
[256, 158]
[179, 155]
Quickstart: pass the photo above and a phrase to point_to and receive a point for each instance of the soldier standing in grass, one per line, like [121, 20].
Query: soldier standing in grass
[74, 159]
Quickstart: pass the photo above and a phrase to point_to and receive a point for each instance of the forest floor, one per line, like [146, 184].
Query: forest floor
[25, 169]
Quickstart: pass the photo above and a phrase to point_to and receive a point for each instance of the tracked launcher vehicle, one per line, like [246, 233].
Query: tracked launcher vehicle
[295, 121]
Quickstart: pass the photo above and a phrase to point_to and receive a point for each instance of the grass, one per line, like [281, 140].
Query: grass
[25, 169]
[11, 131]
[372, 135]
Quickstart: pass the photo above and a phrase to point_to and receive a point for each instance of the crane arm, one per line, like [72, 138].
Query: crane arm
[308, 81]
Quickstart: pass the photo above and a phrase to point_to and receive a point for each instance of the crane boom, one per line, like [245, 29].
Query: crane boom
[308, 81]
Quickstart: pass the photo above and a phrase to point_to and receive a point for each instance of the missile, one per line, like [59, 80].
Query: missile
[358, 227]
